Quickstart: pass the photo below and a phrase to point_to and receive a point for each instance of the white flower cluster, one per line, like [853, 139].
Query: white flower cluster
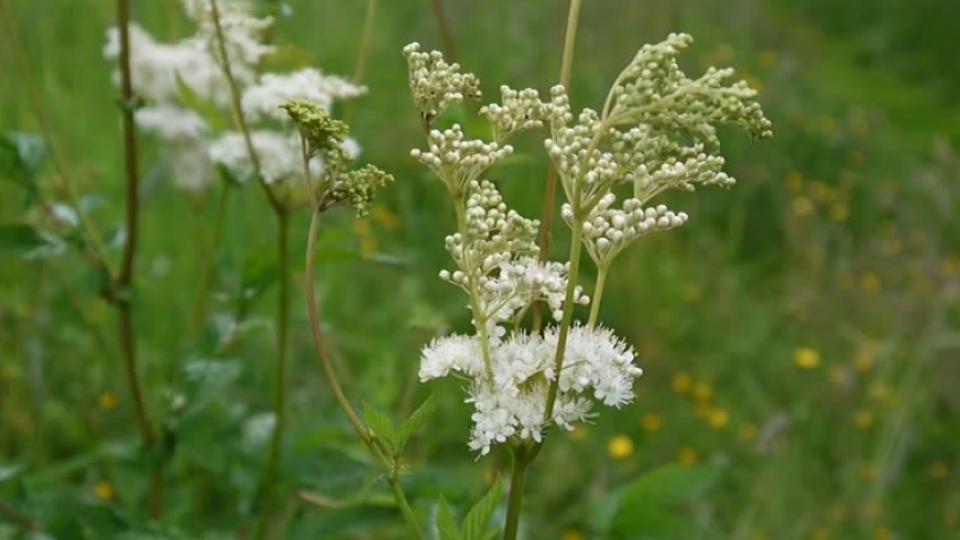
[496, 256]
[598, 366]
[178, 79]
[435, 84]
[519, 110]
[274, 89]
[459, 161]
[609, 230]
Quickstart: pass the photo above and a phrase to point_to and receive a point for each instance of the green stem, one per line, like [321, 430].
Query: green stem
[597, 295]
[550, 193]
[326, 362]
[576, 242]
[515, 501]
[237, 111]
[366, 39]
[280, 366]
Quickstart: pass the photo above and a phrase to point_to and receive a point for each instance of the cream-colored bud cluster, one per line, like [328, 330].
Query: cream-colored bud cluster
[459, 161]
[653, 89]
[587, 171]
[435, 84]
[609, 230]
[559, 106]
[518, 110]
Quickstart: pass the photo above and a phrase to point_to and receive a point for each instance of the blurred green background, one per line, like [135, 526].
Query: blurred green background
[800, 336]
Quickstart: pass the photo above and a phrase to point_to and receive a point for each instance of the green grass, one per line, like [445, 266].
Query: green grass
[857, 259]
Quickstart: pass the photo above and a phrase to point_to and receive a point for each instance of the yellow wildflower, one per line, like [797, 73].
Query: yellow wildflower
[794, 180]
[108, 401]
[620, 447]
[687, 456]
[806, 358]
[572, 534]
[651, 422]
[104, 490]
[719, 418]
[682, 383]
[578, 434]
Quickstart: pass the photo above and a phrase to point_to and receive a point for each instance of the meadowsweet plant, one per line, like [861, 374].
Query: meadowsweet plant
[655, 132]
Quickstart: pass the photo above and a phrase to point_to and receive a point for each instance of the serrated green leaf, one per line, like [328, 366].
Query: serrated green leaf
[382, 428]
[446, 523]
[416, 420]
[20, 237]
[475, 522]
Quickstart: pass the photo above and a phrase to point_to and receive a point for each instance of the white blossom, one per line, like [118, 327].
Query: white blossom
[171, 122]
[264, 98]
[598, 367]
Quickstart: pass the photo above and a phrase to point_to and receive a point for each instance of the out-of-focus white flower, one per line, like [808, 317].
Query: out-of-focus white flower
[598, 366]
[191, 164]
[171, 122]
[278, 152]
[272, 90]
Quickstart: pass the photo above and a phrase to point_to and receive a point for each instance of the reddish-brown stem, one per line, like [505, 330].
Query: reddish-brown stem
[124, 281]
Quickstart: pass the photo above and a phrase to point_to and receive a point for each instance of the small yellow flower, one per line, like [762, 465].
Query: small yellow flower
[801, 207]
[882, 533]
[820, 533]
[863, 419]
[869, 282]
[939, 470]
[719, 418]
[620, 447]
[806, 358]
[572, 534]
[108, 401]
[682, 383]
[578, 434]
[651, 422]
[702, 409]
[104, 490]
[687, 456]
[747, 432]
[702, 391]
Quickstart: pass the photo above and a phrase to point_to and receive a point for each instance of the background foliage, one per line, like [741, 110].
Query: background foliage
[800, 336]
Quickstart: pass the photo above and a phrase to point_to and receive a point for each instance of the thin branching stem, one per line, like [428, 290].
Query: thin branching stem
[366, 41]
[550, 193]
[602, 272]
[390, 465]
[125, 279]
